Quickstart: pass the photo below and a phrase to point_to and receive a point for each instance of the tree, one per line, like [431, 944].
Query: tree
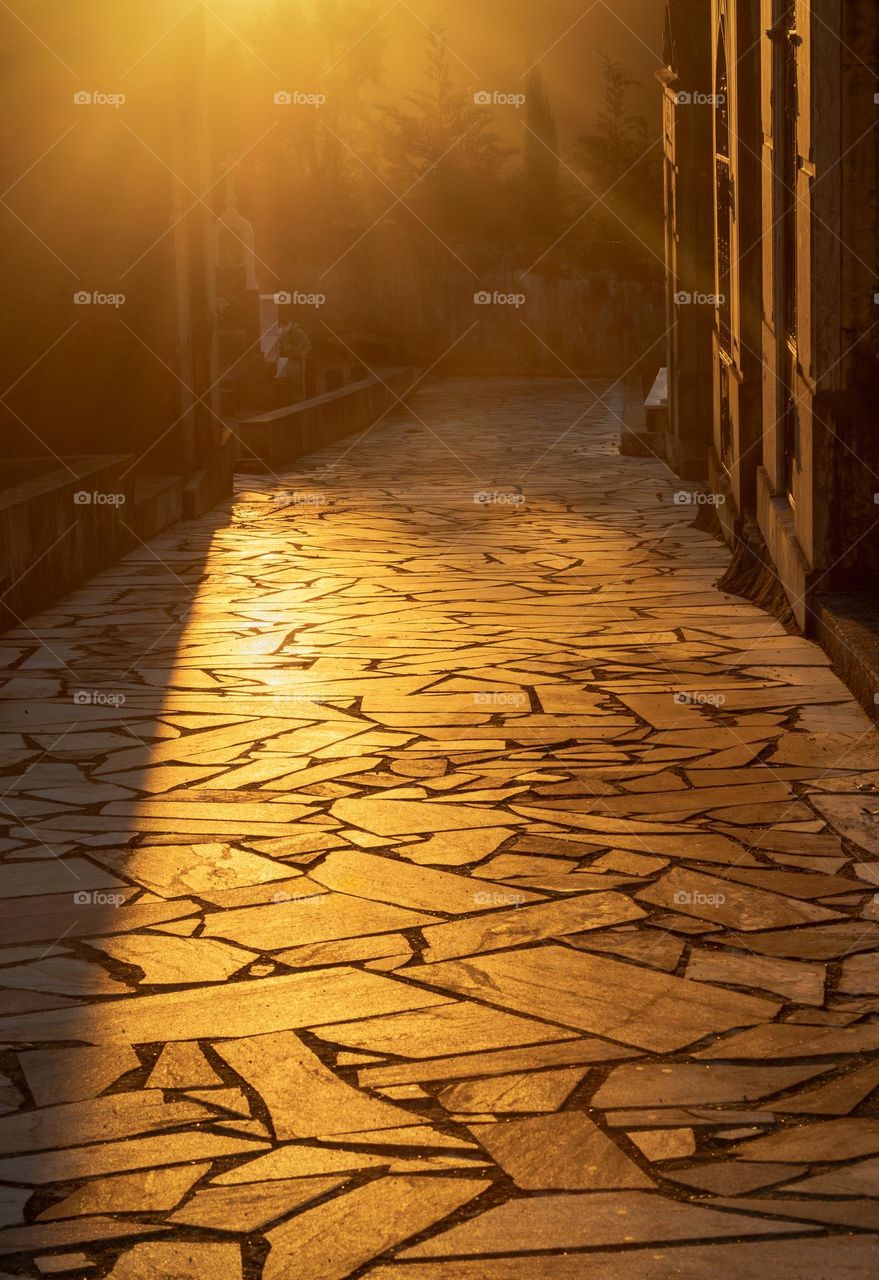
[444, 150]
[623, 164]
[541, 176]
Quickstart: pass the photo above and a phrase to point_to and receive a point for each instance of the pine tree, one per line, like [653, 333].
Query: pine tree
[541, 176]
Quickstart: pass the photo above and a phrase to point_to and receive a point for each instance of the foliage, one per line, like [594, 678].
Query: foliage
[541, 174]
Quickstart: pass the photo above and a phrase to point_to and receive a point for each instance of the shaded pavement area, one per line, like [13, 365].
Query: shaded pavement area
[419, 869]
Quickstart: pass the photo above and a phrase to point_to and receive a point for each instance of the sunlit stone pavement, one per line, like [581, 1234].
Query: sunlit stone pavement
[421, 870]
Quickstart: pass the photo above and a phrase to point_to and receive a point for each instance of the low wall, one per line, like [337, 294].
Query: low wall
[270, 440]
[59, 528]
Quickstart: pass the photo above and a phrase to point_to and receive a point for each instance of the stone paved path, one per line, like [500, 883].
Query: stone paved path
[464, 890]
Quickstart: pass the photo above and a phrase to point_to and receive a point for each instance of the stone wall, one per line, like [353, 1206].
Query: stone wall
[595, 308]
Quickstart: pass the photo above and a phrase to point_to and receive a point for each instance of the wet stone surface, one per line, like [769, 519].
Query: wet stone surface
[421, 885]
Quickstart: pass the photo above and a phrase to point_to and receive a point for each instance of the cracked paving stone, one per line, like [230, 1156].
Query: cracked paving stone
[822, 1141]
[331, 1241]
[524, 924]
[267, 1004]
[248, 1208]
[442, 1029]
[564, 1152]
[577, 1221]
[183, 1261]
[685, 1084]
[591, 993]
[72, 1075]
[532, 1091]
[304, 1098]
[147, 1191]
[843, 1258]
[406, 875]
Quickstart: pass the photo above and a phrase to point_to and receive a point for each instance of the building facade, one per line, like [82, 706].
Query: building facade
[794, 158]
[686, 80]
[819, 472]
[736, 179]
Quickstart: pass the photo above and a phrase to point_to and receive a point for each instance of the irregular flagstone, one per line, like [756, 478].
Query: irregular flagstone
[411, 1135]
[664, 1144]
[564, 1152]
[840, 1257]
[533, 1091]
[468, 744]
[725, 1177]
[572, 1221]
[331, 1241]
[299, 1160]
[304, 1098]
[174, 870]
[148, 1191]
[248, 1208]
[677, 1084]
[863, 1214]
[823, 942]
[837, 1097]
[789, 1040]
[60, 916]
[12, 1205]
[656, 1011]
[658, 951]
[456, 848]
[499, 1062]
[183, 1261]
[526, 924]
[181, 1066]
[852, 817]
[32, 879]
[442, 1029]
[728, 903]
[321, 917]
[73, 1123]
[171, 961]
[345, 951]
[53, 1235]
[72, 1075]
[65, 975]
[821, 1141]
[269, 1004]
[860, 975]
[405, 817]
[802, 983]
[367, 876]
[861, 1179]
